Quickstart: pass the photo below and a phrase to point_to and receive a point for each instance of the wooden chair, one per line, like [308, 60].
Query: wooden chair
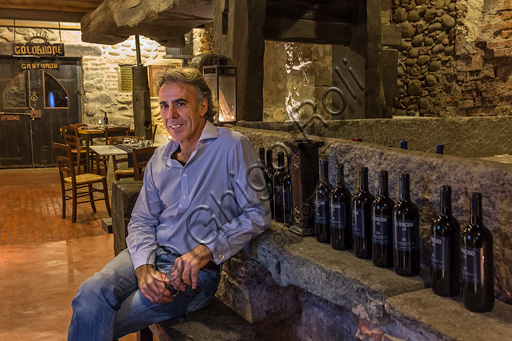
[71, 138]
[116, 131]
[141, 157]
[75, 186]
[116, 160]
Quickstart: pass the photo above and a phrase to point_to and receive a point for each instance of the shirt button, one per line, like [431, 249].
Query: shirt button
[184, 196]
[220, 256]
[184, 174]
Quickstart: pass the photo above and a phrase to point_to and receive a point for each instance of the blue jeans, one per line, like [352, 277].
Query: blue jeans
[109, 305]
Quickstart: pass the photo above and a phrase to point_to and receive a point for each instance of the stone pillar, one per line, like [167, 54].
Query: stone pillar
[238, 34]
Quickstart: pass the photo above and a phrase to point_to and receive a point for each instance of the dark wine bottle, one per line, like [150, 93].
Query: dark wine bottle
[287, 193]
[341, 220]
[362, 218]
[477, 261]
[322, 192]
[406, 233]
[269, 179]
[440, 149]
[105, 120]
[261, 159]
[278, 189]
[382, 225]
[445, 238]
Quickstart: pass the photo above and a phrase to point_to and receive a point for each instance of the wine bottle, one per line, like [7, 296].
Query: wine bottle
[269, 178]
[382, 225]
[403, 144]
[261, 159]
[287, 193]
[362, 218]
[477, 261]
[322, 192]
[278, 189]
[341, 220]
[105, 120]
[406, 232]
[445, 238]
[440, 149]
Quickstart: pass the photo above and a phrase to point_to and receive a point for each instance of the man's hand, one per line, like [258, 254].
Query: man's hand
[152, 284]
[186, 267]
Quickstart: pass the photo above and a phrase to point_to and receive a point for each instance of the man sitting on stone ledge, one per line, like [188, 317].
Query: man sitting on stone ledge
[202, 200]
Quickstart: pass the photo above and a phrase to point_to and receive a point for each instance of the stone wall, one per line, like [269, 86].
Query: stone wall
[454, 58]
[294, 72]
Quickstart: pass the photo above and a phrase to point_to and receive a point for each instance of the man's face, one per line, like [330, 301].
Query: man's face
[182, 115]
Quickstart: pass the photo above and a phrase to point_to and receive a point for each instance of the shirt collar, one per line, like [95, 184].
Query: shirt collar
[210, 131]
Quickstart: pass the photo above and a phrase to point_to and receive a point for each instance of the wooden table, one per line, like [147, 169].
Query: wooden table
[88, 135]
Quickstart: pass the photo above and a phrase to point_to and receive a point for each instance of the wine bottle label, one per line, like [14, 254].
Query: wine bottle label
[407, 235]
[440, 253]
[358, 222]
[322, 211]
[338, 216]
[472, 264]
[382, 229]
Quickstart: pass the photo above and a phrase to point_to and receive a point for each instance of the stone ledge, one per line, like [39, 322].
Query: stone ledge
[336, 276]
[436, 317]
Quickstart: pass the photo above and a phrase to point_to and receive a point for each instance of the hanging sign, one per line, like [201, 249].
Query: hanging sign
[44, 49]
[39, 65]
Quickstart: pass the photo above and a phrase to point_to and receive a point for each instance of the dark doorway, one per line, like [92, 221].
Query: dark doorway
[25, 138]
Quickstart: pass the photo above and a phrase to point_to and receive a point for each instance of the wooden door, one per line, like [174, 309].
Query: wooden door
[34, 104]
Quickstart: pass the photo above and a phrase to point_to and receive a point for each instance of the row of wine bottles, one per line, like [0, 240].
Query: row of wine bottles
[388, 233]
[279, 186]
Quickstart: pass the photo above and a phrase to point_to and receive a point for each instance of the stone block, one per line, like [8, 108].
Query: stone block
[432, 317]
[248, 288]
[336, 276]
[124, 196]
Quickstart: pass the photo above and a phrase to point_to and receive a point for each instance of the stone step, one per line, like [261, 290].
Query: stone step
[430, 316]
[215, 322]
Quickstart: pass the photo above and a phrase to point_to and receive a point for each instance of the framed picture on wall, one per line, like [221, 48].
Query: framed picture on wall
[154, 72]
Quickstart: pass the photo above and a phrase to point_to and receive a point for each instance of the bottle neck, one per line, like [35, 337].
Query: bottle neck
[405, 191]
[262, 157]
[476, 208]
[340, 178]
[446, 200]
[383, 183]
[280, 162]
[363, 180]
[270, 165]
[324, 173]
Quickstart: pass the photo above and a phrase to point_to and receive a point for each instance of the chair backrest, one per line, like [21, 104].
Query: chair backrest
[141, 157]
[64, 160]
[116, 131]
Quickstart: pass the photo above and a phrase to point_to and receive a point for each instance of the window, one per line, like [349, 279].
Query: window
[126, 79]
[15, 93]
[55, 96]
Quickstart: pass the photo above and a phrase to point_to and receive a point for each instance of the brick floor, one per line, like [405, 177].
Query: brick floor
[31, 209]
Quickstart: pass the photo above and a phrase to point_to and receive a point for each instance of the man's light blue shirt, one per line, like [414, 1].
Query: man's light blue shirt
[218, 198]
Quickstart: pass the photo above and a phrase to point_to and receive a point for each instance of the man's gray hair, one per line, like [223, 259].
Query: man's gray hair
[191, 76]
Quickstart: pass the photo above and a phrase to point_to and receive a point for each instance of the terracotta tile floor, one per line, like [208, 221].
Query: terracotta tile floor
[31, 209]
[44, 258]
